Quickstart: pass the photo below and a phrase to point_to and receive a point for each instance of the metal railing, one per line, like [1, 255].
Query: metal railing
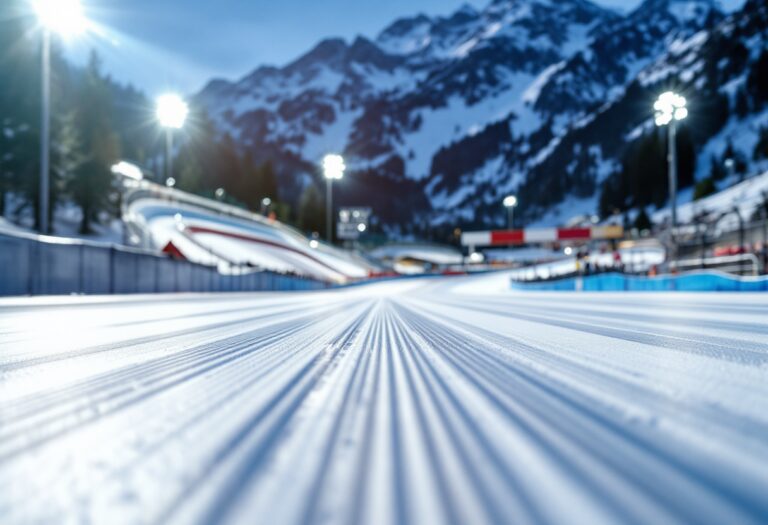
[730, 264]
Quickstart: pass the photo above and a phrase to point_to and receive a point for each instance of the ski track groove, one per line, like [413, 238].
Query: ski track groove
[711, 346]
[393, 403]
[152, 377]
[499, 374]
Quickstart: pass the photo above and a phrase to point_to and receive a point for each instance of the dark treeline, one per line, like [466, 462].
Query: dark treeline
[207, 161]
[96, 122]
[86, 140]
[642, 179]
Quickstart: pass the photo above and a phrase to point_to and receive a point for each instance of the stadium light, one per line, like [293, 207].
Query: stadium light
[510, 202]
[266, 202]
[476, 258]
[670, 109]
[63, 17]
[333, 169]
[171, 112]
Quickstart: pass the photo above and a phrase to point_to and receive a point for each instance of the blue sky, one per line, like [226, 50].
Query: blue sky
[161, 45]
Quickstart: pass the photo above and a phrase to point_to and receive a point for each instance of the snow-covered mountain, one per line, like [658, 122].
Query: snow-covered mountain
[439, 117]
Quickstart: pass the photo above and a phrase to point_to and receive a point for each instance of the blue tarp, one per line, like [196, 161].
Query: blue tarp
[688, 282]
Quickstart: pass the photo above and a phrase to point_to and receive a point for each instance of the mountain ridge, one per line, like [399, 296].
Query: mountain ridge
[465, 108]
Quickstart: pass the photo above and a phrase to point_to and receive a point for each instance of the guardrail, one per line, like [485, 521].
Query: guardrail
[729, 264]
[40, 265]
[615, 282]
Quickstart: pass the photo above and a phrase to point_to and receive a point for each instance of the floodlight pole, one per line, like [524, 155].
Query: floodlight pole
[45, 133]
[329, 209]
[168, 152]
[672, 160]
[671, 107]
[171, 112]
[510, 217]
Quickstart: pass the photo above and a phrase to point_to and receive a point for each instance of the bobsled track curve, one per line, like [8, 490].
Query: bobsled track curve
[425, 401]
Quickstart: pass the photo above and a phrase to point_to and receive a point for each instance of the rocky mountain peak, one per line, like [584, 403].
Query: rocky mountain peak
[461, 108]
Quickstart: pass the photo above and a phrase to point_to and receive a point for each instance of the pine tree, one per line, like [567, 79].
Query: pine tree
[311, 210]
[250, 186]
[742, 103]
[67, 154]
[282, 211]
[19, 106]
[196, 162]
[757, 81]
[761, 148]
[716, 170]
[642, 221]
[91, 182]
[704, 188]
[643, 176]
[269, 181]
[228, 167]
[190, 175]
[139, 141]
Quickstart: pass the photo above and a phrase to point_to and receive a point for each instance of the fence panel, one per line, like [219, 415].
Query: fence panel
[57, 268]
[95, 267]
[166, 275]
[15, 265]
[33, 265]
[146, 274]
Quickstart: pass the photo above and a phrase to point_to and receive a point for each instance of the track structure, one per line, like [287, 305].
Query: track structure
[423, 401]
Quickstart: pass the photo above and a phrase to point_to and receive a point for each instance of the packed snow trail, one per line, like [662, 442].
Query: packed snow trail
[426, 401]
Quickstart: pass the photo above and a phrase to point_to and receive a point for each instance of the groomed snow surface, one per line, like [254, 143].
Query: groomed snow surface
[424, 401]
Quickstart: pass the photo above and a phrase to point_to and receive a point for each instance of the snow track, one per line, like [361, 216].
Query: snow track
[431, 401]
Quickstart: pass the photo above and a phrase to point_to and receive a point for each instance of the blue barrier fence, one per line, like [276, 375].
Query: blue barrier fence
[688, 282]
[31, 265]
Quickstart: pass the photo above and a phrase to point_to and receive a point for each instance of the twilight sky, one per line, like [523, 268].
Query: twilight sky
[161, 45]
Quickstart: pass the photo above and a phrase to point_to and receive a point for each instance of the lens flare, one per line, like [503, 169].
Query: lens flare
[64, 17]
[172, 111]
